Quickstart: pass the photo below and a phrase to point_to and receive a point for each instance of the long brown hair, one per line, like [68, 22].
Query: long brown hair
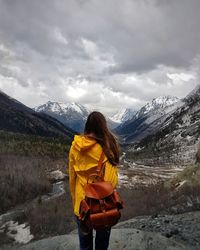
[96, 126]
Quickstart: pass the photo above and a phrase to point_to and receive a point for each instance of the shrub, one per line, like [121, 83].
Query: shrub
[21, 179]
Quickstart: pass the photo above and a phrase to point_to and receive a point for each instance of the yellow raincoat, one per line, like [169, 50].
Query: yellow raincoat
[83, 159]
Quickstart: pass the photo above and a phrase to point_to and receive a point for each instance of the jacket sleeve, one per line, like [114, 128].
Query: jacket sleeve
[111, 174]
[72, 174]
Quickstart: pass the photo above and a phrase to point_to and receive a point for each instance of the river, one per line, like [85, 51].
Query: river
[21, 232]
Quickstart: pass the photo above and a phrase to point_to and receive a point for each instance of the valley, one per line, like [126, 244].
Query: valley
[138, 182]
[158, 171]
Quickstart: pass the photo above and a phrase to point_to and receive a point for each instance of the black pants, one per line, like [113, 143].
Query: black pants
[86, 240]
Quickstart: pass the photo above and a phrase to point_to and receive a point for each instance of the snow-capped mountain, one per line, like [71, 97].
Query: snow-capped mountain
[123, 115]
[73, 115]
[148, 119]
[177, 140]
[157, 104]
[63, 108]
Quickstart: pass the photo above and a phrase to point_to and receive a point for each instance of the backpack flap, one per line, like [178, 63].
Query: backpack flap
[98, 190]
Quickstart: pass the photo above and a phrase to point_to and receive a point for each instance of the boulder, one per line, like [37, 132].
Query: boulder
[57, 175]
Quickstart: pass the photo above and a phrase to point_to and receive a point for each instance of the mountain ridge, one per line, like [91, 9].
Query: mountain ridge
[147, 120]
[177, 140]
[17, 117]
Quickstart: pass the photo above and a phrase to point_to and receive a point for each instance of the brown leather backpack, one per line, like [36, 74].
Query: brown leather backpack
[100, 208]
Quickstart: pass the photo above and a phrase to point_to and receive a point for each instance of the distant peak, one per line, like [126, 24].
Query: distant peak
[61, 108]
[124, 114]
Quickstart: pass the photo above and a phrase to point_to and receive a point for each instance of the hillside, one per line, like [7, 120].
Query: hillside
[177, 140]
[16, 117]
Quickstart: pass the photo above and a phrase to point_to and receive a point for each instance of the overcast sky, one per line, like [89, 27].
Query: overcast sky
[105, 54]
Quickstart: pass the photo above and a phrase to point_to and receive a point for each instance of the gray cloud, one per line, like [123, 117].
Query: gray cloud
[120, 53]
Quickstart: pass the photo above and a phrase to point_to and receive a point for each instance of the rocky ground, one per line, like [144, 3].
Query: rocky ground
[184, 227]
[158, 232]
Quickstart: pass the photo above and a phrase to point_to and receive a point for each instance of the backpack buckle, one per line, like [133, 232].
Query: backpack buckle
[102, 205]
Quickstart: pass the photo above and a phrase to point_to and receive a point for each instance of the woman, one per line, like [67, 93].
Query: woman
[84, 155]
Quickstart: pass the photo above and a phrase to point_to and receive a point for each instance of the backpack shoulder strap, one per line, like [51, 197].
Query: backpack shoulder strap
[99, 170]
[100, 166]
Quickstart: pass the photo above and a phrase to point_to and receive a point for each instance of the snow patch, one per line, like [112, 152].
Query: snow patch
[19, 232]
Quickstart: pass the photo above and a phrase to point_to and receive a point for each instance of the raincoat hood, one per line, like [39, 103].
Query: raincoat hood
[86, 152]
[83, 143]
